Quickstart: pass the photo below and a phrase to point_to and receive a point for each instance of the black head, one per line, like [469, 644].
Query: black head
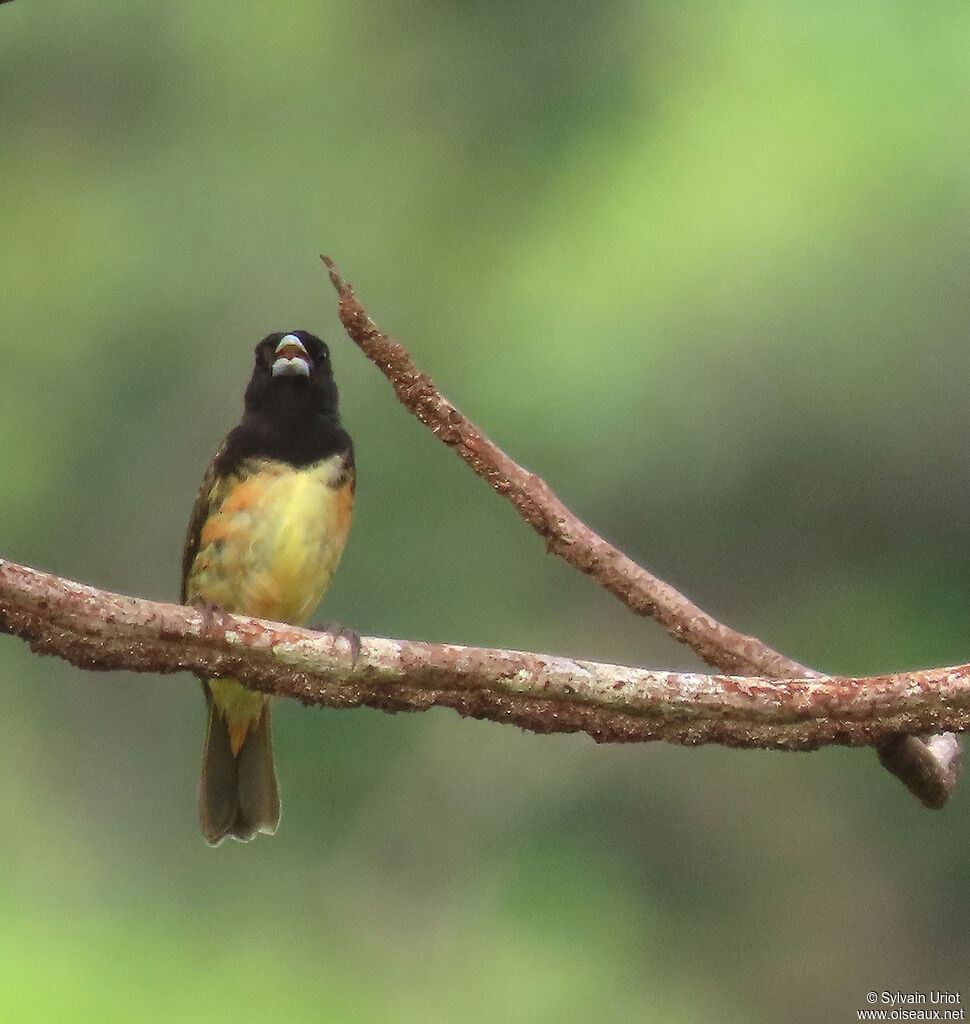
[293, 376]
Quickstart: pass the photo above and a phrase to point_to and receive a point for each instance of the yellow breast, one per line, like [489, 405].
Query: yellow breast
[273, 538]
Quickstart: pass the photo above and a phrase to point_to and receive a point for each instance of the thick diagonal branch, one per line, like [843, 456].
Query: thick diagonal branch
[95, 629]
[929, 766]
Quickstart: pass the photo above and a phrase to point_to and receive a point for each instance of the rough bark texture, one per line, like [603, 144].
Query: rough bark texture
[563, 532]
[929, 766]
[766, 700]
[95, 629]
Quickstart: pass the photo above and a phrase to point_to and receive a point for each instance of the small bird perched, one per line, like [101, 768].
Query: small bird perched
[266, 534]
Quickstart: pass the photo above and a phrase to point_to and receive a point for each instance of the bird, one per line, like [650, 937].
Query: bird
[266, 533]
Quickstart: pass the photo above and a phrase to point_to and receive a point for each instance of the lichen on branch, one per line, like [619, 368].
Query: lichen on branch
[96, 629]
[929, 766]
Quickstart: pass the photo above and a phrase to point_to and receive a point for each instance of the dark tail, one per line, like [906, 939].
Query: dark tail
[238, 796]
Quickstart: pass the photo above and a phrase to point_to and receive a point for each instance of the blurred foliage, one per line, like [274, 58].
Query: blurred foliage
[703, 266]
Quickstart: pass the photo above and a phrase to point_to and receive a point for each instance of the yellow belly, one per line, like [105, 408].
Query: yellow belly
[272, 540]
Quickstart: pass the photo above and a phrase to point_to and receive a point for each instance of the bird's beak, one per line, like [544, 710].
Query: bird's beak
[292, 359]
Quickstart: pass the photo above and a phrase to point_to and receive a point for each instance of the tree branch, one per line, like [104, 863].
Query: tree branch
[96, 629]
[794, 708]
[565, 534]
[928, 766]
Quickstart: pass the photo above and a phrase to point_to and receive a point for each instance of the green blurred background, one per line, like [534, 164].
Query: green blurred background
[704, 267]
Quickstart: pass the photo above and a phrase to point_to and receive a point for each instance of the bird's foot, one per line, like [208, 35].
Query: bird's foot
[337, 630]
[213, 616]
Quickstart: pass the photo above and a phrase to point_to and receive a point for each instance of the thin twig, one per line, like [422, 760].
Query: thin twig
[929, 769]
[565, 534]
[95, 629]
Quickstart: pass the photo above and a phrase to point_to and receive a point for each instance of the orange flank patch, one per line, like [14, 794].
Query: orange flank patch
[245, 494]
[238, 731]
[215, 529]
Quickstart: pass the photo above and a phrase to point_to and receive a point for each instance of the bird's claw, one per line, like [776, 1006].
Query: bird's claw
[213, 615]
[337, 630]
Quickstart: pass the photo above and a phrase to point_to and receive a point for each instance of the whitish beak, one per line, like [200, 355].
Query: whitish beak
[292, 359]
